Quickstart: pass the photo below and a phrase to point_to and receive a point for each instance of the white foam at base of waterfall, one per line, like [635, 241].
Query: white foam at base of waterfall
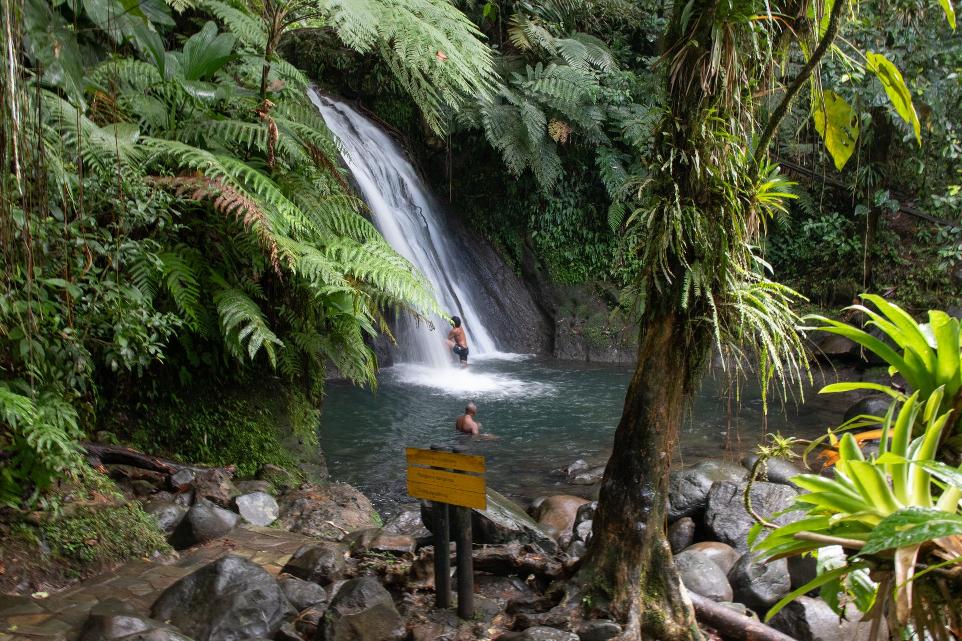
[468, 381]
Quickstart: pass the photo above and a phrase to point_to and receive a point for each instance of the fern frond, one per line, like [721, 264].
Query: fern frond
[244, 325]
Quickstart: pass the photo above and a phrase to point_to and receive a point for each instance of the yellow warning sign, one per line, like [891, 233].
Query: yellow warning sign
[442, 485]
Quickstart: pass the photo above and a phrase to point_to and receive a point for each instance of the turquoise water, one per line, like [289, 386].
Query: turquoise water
[545, 413]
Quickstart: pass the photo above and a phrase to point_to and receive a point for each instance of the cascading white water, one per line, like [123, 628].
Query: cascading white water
[407, 217]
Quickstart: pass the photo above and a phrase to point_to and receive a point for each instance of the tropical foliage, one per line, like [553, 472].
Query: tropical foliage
[174, 207]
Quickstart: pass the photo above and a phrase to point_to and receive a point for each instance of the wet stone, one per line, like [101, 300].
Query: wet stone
[702, 576]
[598, 630]
[759, 585]
[362, 610]
[257, 508]
[302, 594]
[681, 533]
[322, 563]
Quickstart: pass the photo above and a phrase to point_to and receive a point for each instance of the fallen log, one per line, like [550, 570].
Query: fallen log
[731, 624]
[513, 558]
[107, 454]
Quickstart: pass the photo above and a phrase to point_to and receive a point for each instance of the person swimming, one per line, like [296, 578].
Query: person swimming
[466, 423]
[458, 341]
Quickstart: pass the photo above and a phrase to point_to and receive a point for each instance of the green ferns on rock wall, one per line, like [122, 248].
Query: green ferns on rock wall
[162, 218]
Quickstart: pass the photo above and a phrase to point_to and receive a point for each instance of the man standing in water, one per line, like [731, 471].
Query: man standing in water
[466, 423]
[458, 341]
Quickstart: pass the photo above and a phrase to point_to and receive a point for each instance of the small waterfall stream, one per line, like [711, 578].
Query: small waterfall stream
[406, 215]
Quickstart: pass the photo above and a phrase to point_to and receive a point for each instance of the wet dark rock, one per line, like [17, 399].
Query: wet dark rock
[254, 485]
[407, 521]
[322, 563]
[399, 544]
[326, 511]
[726, 517]
[581, 531]
[759, 585]
[207, 522]
[257, 508]
[185, 499]
[702, 576]
[309, 620]
[181, 479]
[114, 620]
[740, 608]
[288, 632]
[774, 470]
[167, 514]
[724, 555]
[502, 522]
[588, 477]
[435, 631]
[556, 514]
[362, 610]
[302, 594]
[802, 570]
[870, 405]
[681, 533]
[577, 549]
[576, 468]
[598, 630]
[216, 486]
[833, 346]
[540, 633]
[809, 619]
[502, 588]
[688, 488]
[229, 599]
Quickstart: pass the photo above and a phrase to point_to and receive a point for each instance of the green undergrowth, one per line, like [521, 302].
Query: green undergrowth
[248, 425]
[86, 526]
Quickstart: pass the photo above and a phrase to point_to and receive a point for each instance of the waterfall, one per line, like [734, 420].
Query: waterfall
[406, 215]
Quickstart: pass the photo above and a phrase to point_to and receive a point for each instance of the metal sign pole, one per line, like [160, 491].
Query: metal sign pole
[462, 539]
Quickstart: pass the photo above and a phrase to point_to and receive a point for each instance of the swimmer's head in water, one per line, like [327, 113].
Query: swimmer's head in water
[470, 408]
[456, 320]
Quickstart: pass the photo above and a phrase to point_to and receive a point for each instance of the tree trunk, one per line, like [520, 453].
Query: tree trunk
[628, 570]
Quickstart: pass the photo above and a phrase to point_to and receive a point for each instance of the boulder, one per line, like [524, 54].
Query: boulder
[702, 576]
[206, 522]
[581, 530]
[681, 533]
[810, 619]
[302, 594]
[407, 521]
[759, 585]
[598, 630]
[688, 488]
[588, 477]
[726, 517]
[576, 468]
[876, 405]
[502, 522]
[322, 563]
[556, 514]
[833, 346]
[774, 470]
[325, 512]
[167, 514]
[255, 485]
[724, 555]
[802, 569]
[540, 633]
[399, 544]
[362, 610]
[114, 620]
[257, 508]
[181, 480]
[216, 486]
[229, 599]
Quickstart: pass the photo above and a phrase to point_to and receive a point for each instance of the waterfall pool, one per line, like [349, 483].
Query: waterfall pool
[545, 413]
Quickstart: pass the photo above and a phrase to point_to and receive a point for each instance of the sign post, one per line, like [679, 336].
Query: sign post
[454, 483]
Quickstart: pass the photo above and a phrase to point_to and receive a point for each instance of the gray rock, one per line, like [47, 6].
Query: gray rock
[582, 531]
[802, 570]
[870, 405]
[726, 517]
[167, 514]
[181, 479]
[255, 485]
[540, 633]
[229, 599]
[724, 555]
[583, 522]
[503, 588]
[833, 346]
[688, 488]
[774, 470]
[576, 468]
[216, 486]
[502, 522]
[258, 508]
[809, 619]
[702, 576]
[321, 563]
[407, 521]
[302, 594]
[759, 585]
[362, 610]
[588, 477]
[740, 608]
[577, 549]
[206, 522]
[325, 511]
[556, 514]
[598, 630]
[288, 632]
[186, 498]
[114, 620]
[681, 533]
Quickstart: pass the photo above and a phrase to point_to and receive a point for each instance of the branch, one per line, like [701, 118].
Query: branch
[782, 109]
[731, 624]
[851, 544]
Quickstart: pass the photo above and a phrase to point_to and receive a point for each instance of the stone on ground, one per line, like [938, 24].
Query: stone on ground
[540, 633]
[167, 514]
[208, 521]
[325, 512]
[215, 485]
[407, 521]
[724, 555]
[702, 576]
[870, 405]
[556, 514]
[810, 619]
[726, 517]
[681, 533]
[774, 470]
[114, 620]
[688, 488]
[362, 610]
[257, 508]
[598, 630]
[322, 563]
[302, 594]
[759, 585]
[227, 600]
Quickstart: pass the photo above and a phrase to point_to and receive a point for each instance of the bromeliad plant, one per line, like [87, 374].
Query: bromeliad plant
[887, 530]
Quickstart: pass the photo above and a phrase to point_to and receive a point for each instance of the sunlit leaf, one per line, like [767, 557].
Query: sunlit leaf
[912, 526]
[837, 123]
[898, 93]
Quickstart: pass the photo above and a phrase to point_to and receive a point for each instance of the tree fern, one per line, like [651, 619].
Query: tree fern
[245, 328]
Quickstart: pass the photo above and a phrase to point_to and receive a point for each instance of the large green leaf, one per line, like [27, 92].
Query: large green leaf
[837, 123]
[949, 12]
[912, 526]
[898, 93]
[205, 52]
